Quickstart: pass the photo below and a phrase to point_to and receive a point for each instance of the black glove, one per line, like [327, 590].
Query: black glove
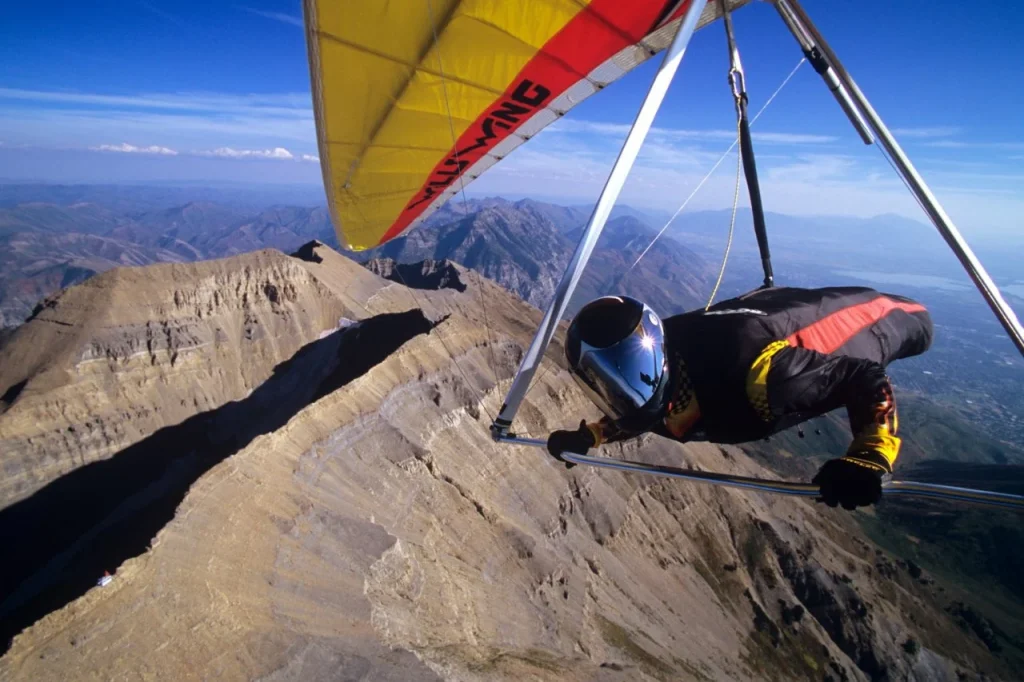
[578, 441]
[850, 481]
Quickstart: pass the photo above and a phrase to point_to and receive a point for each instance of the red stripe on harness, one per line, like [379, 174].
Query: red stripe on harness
[830, 333]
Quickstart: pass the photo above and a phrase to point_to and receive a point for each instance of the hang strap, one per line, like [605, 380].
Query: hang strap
[738, 83]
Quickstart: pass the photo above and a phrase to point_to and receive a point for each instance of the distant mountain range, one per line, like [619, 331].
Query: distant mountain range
[524, 245]
[48, 246]
[53, 236]
[36, 263]
[139, 198]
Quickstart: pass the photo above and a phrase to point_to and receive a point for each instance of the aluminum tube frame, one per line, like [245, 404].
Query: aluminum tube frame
[613, 186]
[1007, 317]
[828, 74]
[890, 489]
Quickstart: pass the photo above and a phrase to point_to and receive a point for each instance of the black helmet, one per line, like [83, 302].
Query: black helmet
[616, 353]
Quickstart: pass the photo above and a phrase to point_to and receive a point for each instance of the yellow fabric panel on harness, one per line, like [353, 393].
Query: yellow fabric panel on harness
[757, 379]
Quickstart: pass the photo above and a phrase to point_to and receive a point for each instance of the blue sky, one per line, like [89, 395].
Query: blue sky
[196, 91]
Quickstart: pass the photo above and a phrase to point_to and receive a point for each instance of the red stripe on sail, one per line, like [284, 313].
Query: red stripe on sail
[600, 30]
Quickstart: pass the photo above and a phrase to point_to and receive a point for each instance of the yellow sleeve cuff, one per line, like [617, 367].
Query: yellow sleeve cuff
[598, 432]
[877, 439]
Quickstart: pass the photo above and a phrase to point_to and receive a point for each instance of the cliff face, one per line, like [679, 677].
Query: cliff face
[104, 364]
[351, 517]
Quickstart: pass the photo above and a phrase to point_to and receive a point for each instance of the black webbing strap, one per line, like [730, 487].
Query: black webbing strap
[737, 82]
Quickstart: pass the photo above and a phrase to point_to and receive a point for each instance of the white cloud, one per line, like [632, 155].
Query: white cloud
[792, 138]
[228, 152]
[572, 125]
[957, 144]
[854, 182]
[126, 148]
[812, 168]
[659, 154]
[947, 144]
[276, 16]
[179, 120]
[935, 131]
[69, 126]
[619, 130]
[311, 157]
[285, 104]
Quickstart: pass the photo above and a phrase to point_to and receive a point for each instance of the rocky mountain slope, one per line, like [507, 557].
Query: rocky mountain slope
[294, 480]
[210, 230]
[179, 339]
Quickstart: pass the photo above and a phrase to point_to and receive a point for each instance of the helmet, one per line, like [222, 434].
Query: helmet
[616, 353]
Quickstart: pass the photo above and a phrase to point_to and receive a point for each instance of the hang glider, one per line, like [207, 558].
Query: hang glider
[414, 99]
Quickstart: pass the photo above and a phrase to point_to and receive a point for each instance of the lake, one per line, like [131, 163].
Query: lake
[911, 280]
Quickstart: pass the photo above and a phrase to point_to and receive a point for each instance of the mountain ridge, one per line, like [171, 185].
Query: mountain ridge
[366, 524]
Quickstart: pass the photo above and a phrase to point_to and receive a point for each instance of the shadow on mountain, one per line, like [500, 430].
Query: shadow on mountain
[5, 334]
[307, 252]
[59, 541]
[427, 274]
[11, 394]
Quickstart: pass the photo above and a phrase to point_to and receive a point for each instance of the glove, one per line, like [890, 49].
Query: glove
[850, 481]
[578, 441]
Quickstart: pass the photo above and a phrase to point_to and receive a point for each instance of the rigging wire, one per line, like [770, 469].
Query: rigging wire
[461, 179]
[479, 396]
[412, 292]
[896, 170]
[738, 85]
[732, 223]
[713, 169]
[465, 203]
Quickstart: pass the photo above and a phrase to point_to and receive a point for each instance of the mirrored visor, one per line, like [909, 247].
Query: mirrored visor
[622, 378]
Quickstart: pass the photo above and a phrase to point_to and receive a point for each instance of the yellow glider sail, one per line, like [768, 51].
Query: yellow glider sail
[415, 98]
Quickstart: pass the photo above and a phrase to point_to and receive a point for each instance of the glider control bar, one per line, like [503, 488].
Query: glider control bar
[800, 24]
[605, 202]
[890, 488]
